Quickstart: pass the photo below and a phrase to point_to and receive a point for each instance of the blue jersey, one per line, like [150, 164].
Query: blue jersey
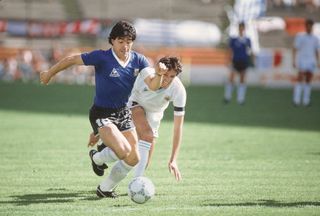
[113, 81]
[241, 47]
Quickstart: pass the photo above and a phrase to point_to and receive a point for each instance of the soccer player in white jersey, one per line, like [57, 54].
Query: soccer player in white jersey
[147, 111]
[147, 108]
[305, 59]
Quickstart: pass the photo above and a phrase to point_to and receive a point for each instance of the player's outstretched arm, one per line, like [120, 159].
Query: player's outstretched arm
[177, 136]
[45, 76]
[155, 82]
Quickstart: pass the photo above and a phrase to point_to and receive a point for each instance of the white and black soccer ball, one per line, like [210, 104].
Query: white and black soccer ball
[141, 189]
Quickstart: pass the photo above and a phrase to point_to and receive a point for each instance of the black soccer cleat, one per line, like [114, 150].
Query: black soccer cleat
[106, 194]
[99, 170]
[226, 101]
[101, 147]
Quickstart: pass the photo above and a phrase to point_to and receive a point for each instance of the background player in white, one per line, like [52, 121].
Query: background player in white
[305, 59]
[147, 111]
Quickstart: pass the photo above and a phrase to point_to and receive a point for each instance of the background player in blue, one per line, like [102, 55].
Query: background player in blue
[115, 73]
[240, 55]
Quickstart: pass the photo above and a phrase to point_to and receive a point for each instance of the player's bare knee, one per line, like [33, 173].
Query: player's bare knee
[123, 152]
[134, 161]
[147, 136]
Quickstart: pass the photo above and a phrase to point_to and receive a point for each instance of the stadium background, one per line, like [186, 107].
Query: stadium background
[34, 34]
[258, 159]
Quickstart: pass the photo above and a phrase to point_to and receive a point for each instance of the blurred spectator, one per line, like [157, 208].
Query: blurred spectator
[26, 63]
[310, 5]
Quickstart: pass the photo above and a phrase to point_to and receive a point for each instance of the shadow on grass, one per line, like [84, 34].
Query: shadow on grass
[59, 196]
[50, 197]
[266, 203]
[263, 107]
[314, 153]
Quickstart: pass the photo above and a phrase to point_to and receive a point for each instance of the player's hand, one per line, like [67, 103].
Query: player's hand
[92, 140]
[161, 68]
[173, 169]
[45, 77]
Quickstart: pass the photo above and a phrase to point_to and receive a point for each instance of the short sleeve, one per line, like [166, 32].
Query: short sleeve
[179, 100]
[145, 72]
[91, 58]
[143, 62]
[230, 42]
[249, 43]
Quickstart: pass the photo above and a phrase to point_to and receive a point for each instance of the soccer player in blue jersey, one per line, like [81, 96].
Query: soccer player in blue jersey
[147, 112]
[115, 72]
[240, 53]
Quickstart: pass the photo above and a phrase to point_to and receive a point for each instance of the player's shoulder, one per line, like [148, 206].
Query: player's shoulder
[301, 35]
[232, 39]
[137, 55]
[177, 85]
[100, 52]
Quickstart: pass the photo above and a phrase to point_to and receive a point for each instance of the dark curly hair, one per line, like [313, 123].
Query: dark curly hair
[172, 63]
[122, 29]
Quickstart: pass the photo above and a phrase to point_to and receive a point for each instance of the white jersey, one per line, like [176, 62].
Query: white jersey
[155, 102]
[306, 45]
[158, 101]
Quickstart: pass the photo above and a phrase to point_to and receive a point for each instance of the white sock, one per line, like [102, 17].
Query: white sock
[228, 91]
[306, 94]
[297, 93]
[144, 149]
[242, 88]
[107, 155]
[118, 172]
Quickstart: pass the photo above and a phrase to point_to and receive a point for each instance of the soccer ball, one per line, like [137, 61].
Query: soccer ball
[141, 189]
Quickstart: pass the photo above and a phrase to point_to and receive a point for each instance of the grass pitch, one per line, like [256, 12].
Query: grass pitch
[262, 158]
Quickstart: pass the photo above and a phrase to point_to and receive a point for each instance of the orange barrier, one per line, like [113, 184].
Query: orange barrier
[198, 56]
[6, 52]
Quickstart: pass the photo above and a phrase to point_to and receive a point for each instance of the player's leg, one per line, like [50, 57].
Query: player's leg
[151, 153]
[242, 88]
[297, 90]
[121, 168]
[110, 134]
[229, 87]
[113, 138]
[146, 137]
[307, 88]
[117, 148]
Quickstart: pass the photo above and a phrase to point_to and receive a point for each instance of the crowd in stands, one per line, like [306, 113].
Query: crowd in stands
[310, 5]
[25, 64]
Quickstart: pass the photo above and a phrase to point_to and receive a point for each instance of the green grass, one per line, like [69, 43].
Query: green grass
[262, 158]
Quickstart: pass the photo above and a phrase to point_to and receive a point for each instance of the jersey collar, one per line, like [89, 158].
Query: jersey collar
[122, 63]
